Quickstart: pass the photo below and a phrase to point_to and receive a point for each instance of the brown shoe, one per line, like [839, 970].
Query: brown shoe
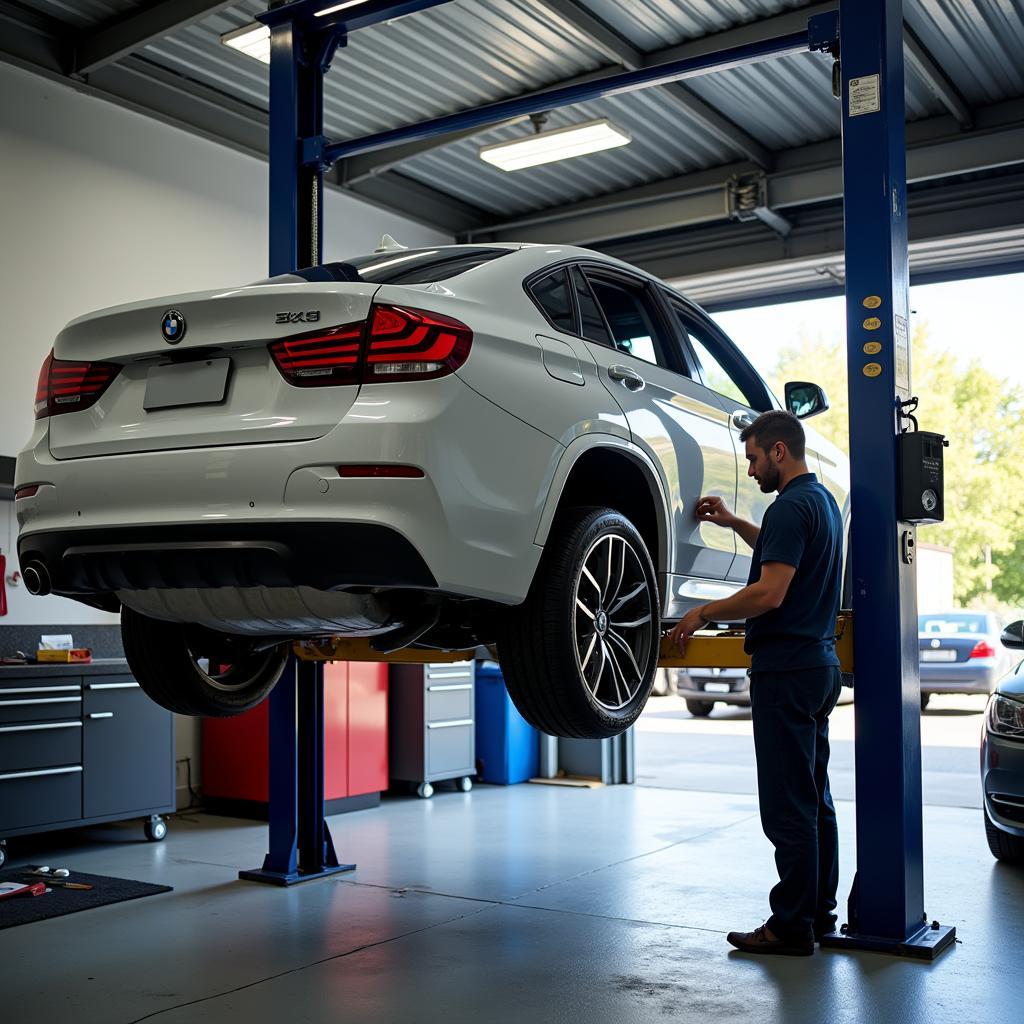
[759, 941]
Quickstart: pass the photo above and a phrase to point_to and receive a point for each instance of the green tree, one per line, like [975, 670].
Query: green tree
[983, 417]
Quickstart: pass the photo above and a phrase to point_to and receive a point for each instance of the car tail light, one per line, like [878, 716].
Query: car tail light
[69, 386]
[379, 471]
[29, 491]
[412, 344]
[321, 358]
[983, 649]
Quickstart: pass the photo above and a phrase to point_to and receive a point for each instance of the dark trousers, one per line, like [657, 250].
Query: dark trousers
[790, 715]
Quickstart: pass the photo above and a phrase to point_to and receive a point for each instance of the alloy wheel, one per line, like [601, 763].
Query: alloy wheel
[613, 621]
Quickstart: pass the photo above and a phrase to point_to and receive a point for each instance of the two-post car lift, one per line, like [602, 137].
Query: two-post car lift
[886, 907]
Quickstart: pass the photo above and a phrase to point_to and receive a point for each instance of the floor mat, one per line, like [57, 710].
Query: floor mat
[57, 902]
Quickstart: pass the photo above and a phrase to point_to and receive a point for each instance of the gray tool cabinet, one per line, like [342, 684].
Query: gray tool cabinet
[431, 731]
[79, 745]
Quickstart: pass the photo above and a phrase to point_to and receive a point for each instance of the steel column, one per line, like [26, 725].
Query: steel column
[886, 906]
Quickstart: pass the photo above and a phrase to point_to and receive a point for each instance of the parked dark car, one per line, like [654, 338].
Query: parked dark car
[960, 653]
[1002, 759]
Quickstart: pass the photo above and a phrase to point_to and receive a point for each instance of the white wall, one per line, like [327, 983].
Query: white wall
[100, 205]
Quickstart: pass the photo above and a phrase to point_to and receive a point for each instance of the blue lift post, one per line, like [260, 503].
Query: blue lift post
[886, 906]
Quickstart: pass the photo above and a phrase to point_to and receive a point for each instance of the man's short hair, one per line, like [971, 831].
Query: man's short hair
[776, 425]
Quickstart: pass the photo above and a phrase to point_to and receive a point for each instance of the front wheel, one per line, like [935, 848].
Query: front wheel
[699, 708]
[579, 655]
[192, 671]
[1002, 845]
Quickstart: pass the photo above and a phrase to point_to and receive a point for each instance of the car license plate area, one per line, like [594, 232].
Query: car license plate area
[203, 382]
[938, 655]
[716, 687]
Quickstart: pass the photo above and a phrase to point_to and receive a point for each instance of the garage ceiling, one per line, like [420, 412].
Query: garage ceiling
[661, 202]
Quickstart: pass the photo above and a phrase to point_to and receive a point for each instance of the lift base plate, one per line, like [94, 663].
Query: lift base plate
[927, 944]
[277, 878]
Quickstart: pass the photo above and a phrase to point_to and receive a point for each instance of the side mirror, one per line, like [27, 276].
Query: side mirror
[1013, 636]
[804, 399]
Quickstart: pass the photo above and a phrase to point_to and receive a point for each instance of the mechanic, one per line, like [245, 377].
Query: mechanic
[790, 604]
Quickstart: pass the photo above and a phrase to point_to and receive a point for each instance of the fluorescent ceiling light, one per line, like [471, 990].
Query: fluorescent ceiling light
[559, 144]
[252, 40]
[334, 8]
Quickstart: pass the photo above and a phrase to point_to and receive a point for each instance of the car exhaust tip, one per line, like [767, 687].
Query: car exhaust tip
[37, 579]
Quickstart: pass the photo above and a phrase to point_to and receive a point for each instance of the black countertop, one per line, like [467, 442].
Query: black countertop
[96, 667]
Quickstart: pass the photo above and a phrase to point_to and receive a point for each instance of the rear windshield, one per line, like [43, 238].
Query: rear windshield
[952, 624]
[405, 266]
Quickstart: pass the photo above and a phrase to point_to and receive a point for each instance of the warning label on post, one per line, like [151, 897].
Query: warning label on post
[865, 95]
[902, 356]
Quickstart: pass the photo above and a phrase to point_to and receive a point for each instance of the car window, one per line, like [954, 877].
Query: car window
[719, 368]
[952, 623]
[409, 266]
[592, 324]
[630, 315]
[551, 293]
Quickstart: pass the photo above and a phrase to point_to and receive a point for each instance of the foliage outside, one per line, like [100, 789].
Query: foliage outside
[983, 417]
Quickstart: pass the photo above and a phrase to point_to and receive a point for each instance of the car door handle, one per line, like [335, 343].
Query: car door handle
[628, 378]
[741, 419]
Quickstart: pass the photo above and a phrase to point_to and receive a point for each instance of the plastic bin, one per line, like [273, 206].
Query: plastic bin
[507, 748]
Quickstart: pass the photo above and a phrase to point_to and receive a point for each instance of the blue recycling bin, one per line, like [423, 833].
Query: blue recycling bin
[507, 748]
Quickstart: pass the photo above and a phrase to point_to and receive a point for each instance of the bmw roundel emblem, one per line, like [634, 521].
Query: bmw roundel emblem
[173, 327]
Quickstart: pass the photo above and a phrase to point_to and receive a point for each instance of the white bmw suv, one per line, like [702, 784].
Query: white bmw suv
[435, 448]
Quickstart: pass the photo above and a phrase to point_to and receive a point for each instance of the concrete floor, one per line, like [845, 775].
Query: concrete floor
[529, 904]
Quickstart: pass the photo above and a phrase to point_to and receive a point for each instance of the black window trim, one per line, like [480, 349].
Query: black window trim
[542, 275]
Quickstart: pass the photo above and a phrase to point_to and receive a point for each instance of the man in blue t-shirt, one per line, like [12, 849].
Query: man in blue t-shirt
[790, 603]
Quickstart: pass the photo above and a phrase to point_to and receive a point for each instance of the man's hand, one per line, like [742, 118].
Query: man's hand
[693, 620]
[713, 509]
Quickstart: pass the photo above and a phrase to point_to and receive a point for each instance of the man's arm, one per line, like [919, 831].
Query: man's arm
[762, 596]
[714, 510]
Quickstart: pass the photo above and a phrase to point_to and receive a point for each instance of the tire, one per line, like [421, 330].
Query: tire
[1004, 847]
[925, 697]
[163, 658]
[3, 854]
[558, 671]
[699, 708]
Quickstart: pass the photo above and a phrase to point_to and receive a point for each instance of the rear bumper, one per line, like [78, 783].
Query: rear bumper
[467, 526]
[692, 683]
[324, 556]
[967, 678]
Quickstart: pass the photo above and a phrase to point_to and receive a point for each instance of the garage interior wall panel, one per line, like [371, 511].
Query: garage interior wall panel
[100, 205]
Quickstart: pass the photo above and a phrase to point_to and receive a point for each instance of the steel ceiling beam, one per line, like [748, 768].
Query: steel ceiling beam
[918, 57]
[131, 32]
[620, 50]
[802, 176]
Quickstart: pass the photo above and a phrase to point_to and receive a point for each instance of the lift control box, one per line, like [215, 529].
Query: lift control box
[920, 480]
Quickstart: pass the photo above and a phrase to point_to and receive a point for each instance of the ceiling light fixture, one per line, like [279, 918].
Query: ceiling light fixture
[334, 8]
[558, 144]
[252, 40]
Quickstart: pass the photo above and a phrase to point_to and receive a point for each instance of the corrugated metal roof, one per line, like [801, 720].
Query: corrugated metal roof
[978, 43]
[81, 14]
[454, 57]
[653, 24]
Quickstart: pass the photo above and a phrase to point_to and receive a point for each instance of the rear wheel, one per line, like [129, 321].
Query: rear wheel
[925, 697]
[1004, 847]
[699, 708]
[579, 655]
[192, 671]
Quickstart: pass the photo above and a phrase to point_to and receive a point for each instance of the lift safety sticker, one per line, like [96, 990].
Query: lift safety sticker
[872, 348]
[902, 354]
[873, 370]
[865, 95]
[873, 301]
[872, 323]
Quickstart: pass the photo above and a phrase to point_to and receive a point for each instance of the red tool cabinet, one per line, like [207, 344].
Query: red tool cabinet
[235, 750]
